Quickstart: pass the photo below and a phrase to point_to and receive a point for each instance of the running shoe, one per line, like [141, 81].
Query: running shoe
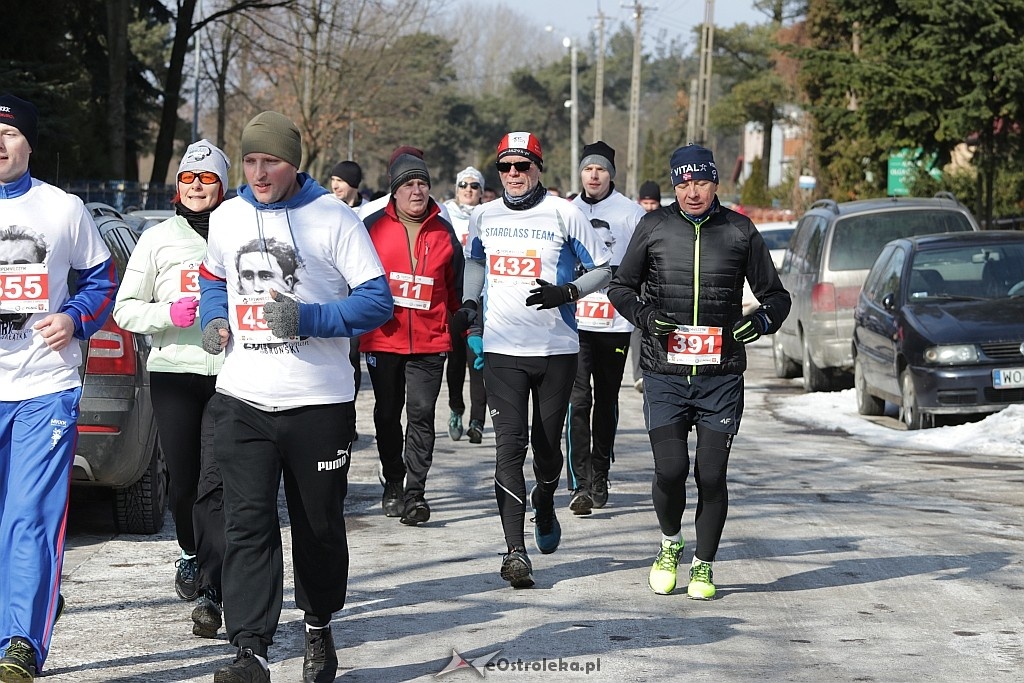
[455, 426]
[391, 500]
[186, 579]
[599, 490]
[245, 669]
[206, 617]
[19, 662]
[516, 568]
[548, 532]
[416, 512]
[702, 585]
[663, 574]
[320, 663]
[581, 503]
[475, 431]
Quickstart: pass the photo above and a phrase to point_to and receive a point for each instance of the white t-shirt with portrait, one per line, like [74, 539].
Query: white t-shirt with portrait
[315, 253]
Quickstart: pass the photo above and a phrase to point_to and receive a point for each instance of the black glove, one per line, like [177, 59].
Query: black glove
[552, 296]
[282, 316]
[211, 336]
[659, 324]
[463, 318]
[750, 327]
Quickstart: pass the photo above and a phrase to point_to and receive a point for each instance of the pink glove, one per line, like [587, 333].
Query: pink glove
[183, 311]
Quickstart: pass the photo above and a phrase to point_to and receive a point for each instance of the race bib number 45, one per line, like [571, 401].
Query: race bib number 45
[252, 326]
[24, 288]
[693, 345]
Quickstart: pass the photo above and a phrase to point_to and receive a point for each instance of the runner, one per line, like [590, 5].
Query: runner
[681, 282]
[522, 252]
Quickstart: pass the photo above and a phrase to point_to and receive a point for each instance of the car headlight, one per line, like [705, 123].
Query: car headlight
[951, 354]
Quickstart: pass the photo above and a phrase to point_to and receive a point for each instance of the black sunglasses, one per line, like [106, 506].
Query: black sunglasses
[473, 186]
[506, 166]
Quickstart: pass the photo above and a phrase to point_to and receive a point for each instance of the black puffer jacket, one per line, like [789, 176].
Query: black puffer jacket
[696, 276]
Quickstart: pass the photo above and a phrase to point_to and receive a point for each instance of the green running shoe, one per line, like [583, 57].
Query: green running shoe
[19, 662]
[663, 574]
[702, 586]
[455, 426]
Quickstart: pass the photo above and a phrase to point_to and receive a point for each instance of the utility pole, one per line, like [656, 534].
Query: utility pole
[707, 37]
[632, 168]
[599, 87]
[575, 125]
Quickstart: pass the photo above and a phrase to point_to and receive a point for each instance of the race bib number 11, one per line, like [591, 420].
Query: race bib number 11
[693, 345]
[24, 288]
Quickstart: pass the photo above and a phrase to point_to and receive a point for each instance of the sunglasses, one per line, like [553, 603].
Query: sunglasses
[506, 166]
[472, 186]
[205, 177]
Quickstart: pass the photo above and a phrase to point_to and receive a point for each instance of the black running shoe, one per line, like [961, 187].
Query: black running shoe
[19, 662]
[245, 669]
[548, 532]
[206, 617]
[475, 431]
[391, 501]
[581, 503]
[517, 569]
[321, 661]
[186, 580]
[416, 512]
[599, 490]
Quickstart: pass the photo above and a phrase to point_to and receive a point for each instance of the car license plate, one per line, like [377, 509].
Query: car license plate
[1012, 378]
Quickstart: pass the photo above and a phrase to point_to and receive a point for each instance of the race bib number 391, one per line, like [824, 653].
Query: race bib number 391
[693, 345]
[24, 288]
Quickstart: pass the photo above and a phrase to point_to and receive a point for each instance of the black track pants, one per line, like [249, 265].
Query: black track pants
[460, 361]
[511, 382]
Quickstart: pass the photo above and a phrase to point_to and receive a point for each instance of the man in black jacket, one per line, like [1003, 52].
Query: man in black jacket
[681, 283]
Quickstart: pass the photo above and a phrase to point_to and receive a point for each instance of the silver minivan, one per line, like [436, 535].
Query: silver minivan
[824, 267]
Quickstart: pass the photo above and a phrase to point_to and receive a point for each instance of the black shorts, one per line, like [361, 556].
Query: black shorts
[715, 401]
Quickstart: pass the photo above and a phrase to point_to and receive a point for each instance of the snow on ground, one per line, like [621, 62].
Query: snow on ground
[1001, 433]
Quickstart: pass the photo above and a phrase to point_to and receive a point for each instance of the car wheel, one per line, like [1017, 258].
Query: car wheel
[815, 378]
[139, 508]
[910, 412]
[866, 403]
[785, 367]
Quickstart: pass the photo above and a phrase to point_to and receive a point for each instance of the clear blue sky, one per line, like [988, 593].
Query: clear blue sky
[577, 18]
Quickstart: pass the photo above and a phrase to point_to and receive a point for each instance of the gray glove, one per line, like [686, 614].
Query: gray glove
[282, 316]
[211, 335]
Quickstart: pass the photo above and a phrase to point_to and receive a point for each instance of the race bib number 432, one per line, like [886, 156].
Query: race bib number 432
[24, 288]
[513, 267]
[694, 345]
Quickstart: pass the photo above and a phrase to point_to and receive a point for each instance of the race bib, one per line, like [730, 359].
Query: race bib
[24, 288]
[693, 345]
[252, 326]
[188, 280]
[595, 310]
[411, 291]
[513, 267]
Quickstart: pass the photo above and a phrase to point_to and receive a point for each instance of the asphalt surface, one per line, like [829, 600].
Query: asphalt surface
[839, 562]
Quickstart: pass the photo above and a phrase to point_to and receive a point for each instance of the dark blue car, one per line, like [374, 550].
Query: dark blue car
[939, 327]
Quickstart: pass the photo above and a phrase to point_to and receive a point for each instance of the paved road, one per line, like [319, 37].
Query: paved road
[840, 562]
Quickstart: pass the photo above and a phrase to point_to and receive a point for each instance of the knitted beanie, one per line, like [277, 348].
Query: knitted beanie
[274, 134]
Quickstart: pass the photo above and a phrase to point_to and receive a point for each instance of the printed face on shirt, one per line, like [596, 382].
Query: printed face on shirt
[271, 179]
[696, 196]
[519, 183]
[14, 153]
[413, 197]
[262, 266]
[596, 180]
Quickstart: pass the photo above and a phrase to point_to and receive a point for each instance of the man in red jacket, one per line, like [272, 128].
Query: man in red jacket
[405, 357]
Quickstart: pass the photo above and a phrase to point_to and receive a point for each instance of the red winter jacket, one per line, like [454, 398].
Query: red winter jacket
[424, 298]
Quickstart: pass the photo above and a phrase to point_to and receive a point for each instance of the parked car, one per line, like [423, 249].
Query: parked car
[939, 327]
[117, 444]
[776, 235]
[825, 264]
[140, 219]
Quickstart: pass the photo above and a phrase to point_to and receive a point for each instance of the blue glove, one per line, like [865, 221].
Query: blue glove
[750, 327]
[476, 345]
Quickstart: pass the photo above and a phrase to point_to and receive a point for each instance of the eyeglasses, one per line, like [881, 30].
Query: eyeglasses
[205, 177]
[506, 166]
[472, 186]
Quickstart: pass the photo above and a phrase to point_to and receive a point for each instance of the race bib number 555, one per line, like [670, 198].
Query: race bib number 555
[694, 345]
[24, 288]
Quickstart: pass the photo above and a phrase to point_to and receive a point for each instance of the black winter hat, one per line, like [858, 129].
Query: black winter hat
[598, 153]
[21, 114]
[348, 171]
[650, 190]
[405, 168]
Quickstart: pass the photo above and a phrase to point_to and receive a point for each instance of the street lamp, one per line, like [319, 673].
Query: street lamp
[574, 129]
